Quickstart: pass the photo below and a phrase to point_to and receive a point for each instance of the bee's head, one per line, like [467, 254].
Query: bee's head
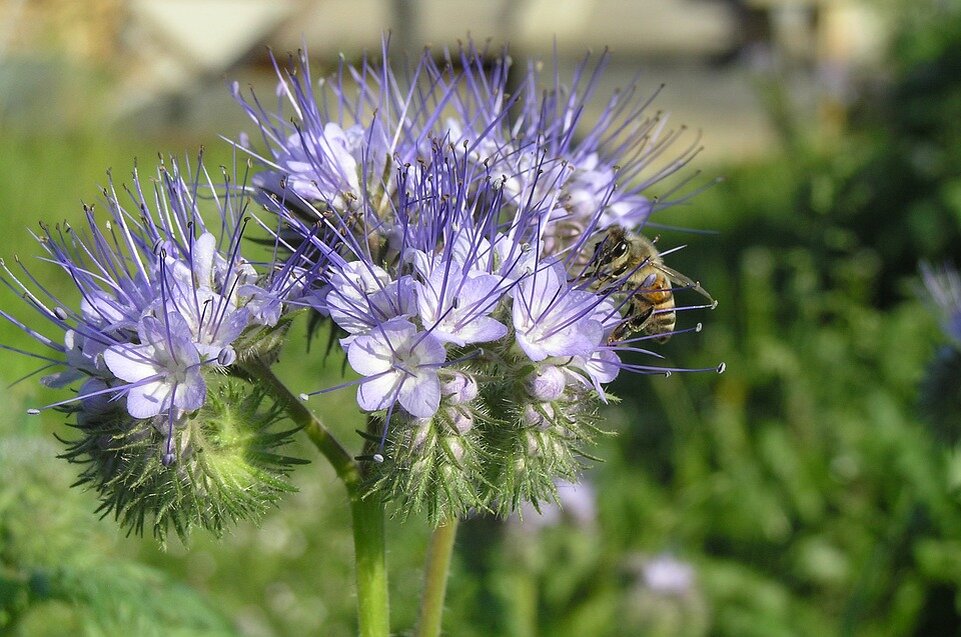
[613, 252]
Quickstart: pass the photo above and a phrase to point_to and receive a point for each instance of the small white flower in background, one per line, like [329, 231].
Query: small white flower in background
[667, 575]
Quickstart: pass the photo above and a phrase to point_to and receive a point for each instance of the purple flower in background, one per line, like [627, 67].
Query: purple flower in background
[944, 288]
[667, 575]
[576, 502]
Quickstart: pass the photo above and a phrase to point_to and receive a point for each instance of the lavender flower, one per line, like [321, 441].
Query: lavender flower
[939, 394]
[166, 310]
[450, 243]
[576, 503]
[166, 362]
[667, 575]
[665, 597]
[589, 176]
[160, 301]
[399, 363]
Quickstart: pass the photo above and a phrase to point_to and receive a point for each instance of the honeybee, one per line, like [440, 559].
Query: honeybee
[650, 307]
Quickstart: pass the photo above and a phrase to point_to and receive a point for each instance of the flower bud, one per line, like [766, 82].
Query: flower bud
[460, 389]
[421, 430]
[535, 444]
[546, 383]
[455, 448]
[226, 357]
[541, 416]
[461, 421]
[435, 464]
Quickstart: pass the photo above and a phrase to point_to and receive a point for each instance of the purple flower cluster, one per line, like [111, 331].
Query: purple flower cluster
[474, 245]
[446, 227]
[454, 228]
[164, 301]
[451, 283]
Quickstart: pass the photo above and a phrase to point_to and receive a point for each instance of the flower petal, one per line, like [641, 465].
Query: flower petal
[131, 363]
[191, 393]
[378, 392]
[420, 394]
[149, 399]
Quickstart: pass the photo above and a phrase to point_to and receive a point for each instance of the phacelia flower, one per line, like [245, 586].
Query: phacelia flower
[166, 310]
[944, 289]
[399, 364]
[456, 252]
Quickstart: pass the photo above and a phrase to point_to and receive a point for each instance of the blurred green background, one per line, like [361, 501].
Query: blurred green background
[803, 492]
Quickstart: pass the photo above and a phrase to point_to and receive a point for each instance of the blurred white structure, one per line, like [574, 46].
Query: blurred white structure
[171, 54]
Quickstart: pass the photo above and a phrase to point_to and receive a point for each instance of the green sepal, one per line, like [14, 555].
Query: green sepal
[429, 467]
[264, 342]
[530, 459]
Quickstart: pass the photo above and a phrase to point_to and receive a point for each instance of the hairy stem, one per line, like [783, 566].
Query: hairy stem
[373, 608]
[373, 604]
[435, 579]
[345, 466]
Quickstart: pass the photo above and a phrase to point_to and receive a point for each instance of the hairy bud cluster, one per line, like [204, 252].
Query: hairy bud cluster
[228, 468]
[504, 432]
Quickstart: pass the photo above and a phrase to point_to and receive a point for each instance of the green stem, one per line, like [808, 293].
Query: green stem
[435, 579]
[345, 466]
[373, 604]
[370, 558]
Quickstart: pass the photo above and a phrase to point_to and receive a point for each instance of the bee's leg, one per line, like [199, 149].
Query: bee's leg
[638, 316]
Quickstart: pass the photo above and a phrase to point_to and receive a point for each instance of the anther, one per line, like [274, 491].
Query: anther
[304, 397]
[33, 412]
[721, 368]
[168, 459]
[60, 313]
[378, 458]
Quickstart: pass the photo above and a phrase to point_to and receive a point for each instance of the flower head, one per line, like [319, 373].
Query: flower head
[166, 309]
[458, 250]
[399, 364]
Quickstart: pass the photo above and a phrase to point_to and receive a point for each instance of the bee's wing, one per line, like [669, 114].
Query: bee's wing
[688, 282]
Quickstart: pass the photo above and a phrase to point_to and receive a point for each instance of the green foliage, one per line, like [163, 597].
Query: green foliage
[52, 563]
[941, 395]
